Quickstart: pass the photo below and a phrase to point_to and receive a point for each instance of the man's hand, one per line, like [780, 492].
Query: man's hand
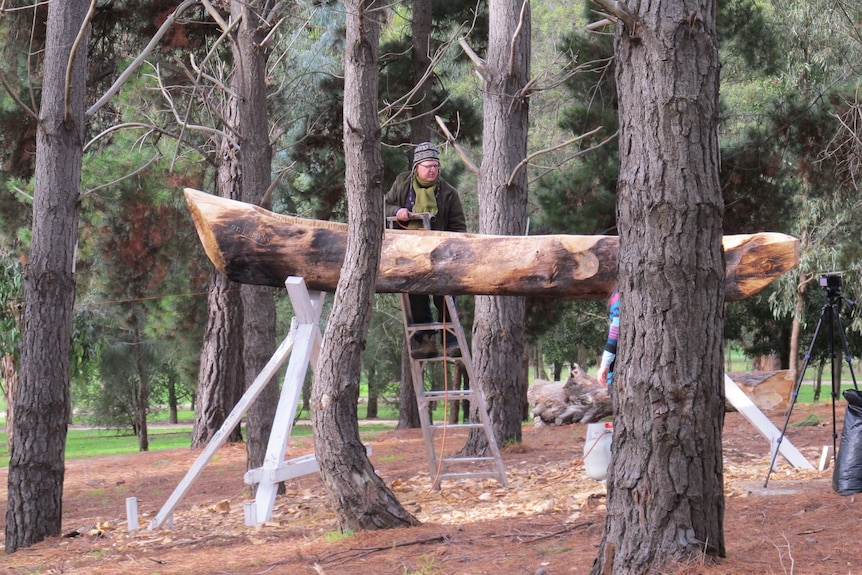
[402, 215]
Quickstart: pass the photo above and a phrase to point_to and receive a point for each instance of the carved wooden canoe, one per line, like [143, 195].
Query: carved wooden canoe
[254, 246]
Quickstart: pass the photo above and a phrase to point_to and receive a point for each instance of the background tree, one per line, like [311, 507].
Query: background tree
[222, 375]
[42, 405]
[668, 387]
[499, 342]
[360, 498]
[251, 54]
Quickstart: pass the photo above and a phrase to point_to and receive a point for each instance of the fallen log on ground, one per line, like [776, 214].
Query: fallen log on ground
[255, 246]
[579, 399]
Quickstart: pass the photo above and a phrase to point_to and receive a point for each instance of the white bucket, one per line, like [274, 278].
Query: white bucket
[597, 449]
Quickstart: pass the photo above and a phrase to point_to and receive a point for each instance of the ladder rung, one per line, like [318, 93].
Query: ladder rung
[469, 475]
[447, 358]
[456, 426]
[434, 325]
[451, 395]
[468, 459]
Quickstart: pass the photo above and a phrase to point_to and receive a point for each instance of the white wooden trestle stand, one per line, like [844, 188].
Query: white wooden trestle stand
[302, 344]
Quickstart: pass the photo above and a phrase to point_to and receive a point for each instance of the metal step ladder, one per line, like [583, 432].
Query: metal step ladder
[442, 448]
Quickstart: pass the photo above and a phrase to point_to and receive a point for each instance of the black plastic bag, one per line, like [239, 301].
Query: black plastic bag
[847, 475]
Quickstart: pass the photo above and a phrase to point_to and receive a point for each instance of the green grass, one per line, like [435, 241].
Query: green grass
[85, 443]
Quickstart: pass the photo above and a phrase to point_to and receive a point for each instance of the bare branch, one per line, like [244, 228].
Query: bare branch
[461, 152]
[598, 24]
[404, 101]
[575, 155]
[91, 191]
[16, 99]
[477, 61]
[515, 38]
[527, 160]
[71, 62]
[141, 57]
[620, 11]
[215, 16]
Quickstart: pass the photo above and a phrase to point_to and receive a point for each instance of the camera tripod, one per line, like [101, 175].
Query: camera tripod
[830, 315]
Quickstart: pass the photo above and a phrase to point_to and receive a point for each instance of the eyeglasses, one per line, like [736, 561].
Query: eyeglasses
[430, 166]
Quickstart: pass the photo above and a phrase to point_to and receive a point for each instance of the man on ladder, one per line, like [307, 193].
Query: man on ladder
[423, 191]
[420, 199]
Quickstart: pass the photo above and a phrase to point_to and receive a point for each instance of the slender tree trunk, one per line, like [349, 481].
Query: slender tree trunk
[796, 328]
[173, 416]
[221, 381]
[499, 334]
[359, 497]
[373, 392]
[42, 404]
[665, 487]
[420, 61]
[259, 315]
[142, 401]
[408, 408]
[10, 390]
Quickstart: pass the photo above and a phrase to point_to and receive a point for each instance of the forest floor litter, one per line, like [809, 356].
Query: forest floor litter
[549, 519]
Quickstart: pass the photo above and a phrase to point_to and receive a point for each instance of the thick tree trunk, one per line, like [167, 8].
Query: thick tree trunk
[665, 487]
[42, 404]
[359, 497]
[499, 334]
[254, 246]
[259, 315]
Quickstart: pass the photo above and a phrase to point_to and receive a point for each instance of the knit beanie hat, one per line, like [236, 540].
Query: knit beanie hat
[425, 151]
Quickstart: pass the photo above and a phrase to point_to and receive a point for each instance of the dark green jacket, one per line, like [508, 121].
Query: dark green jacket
[450, 214]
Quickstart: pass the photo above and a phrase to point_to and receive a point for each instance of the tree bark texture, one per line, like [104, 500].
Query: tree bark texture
[42, 404]
[221, 379]
[499, 334]
[361, 499]
[258, 302]
[665, 487]
[420, 62]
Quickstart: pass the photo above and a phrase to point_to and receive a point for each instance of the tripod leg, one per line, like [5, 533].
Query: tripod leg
[795, 392]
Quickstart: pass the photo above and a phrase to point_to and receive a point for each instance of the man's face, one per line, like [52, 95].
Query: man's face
[428, 170]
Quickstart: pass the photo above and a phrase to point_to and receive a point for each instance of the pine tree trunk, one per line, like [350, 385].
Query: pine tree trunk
[221, 381]
[221, 376]
[42, 404]
[259, 315]
[665, 487]
[499, 334]
[361, 499]
[420, 61]
[408, 408]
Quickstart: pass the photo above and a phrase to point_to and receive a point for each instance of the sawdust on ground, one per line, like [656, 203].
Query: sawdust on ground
[548, 520]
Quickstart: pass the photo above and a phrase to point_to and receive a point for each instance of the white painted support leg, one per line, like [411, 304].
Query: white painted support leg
[752, 413]
[307, 311]
[132, 513]
[305, 353]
